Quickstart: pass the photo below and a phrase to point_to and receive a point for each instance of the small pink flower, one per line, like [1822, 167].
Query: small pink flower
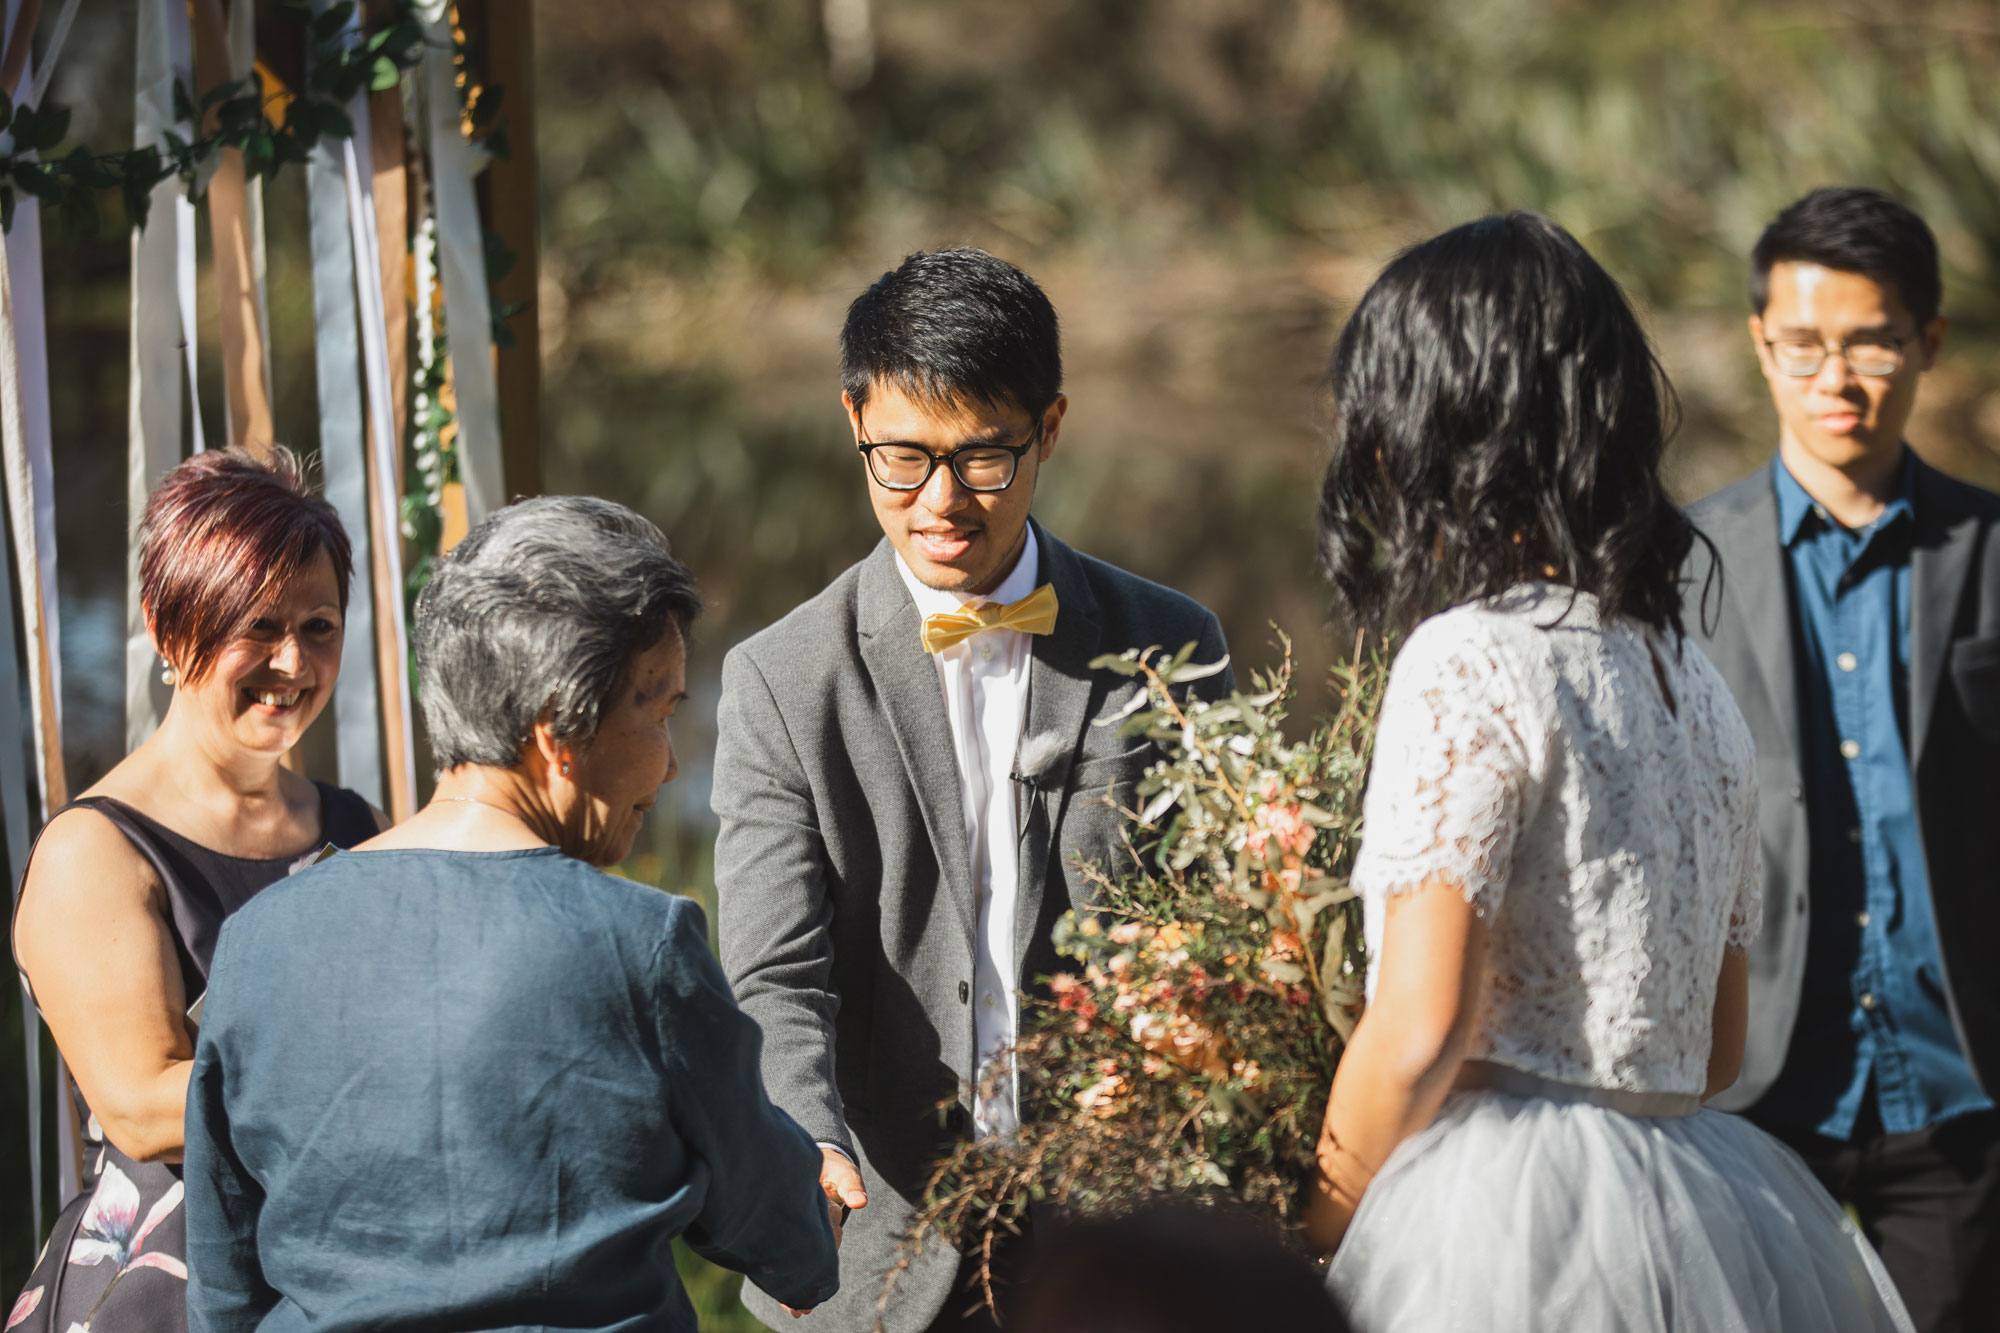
[1289, 826]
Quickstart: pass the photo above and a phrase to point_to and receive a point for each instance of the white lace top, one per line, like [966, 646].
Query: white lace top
[1609, 840]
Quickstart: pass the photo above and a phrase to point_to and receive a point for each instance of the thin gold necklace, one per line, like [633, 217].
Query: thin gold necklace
[474, 800]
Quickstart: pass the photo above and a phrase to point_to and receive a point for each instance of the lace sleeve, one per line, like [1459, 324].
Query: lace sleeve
[1454, 776]
[1746, 912]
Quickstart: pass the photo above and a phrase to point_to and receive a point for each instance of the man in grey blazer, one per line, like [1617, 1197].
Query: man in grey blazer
[1858, 624]
[907, 767]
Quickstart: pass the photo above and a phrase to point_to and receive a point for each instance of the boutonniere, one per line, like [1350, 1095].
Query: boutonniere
[1041, 762]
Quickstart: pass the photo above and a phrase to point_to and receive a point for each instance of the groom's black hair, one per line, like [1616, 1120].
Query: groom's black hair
[1853, 230]
[1501, 417]
[952, 327]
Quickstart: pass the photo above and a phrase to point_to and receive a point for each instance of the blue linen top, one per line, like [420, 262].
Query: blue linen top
[482, 1091]
[1873, 1001]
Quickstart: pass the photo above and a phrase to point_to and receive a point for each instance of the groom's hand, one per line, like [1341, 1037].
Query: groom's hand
[842, 1183]
[841, 1180]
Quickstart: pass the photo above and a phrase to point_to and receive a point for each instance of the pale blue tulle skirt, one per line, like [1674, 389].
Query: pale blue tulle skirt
[1529, 1213]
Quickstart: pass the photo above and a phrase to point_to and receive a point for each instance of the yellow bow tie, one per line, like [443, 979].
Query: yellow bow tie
[1033, 614]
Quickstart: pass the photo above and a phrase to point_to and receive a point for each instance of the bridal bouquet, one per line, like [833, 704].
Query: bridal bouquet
[1216, 977]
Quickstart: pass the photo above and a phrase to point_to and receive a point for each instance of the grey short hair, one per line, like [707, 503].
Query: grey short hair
[535, 617]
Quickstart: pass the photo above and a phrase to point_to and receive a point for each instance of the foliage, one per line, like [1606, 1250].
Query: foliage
[1219, 970]
[341, 68]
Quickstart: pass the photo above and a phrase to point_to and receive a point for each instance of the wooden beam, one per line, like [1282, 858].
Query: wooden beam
[250, 425]
[392, 223]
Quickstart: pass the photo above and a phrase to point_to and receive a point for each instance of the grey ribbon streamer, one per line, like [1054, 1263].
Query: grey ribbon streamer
[462, 268]
[337, 362]
[14, 814]
[15, 817]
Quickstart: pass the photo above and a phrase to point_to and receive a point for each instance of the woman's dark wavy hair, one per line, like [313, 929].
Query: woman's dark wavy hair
[1499, 411]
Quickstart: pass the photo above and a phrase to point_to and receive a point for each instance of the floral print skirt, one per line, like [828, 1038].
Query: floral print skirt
[121, 1266]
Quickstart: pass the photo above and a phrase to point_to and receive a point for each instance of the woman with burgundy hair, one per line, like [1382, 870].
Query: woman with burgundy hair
[243, 576]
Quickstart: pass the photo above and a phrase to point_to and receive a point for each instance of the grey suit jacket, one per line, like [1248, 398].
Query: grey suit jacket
[1750, 633]
[844, 886]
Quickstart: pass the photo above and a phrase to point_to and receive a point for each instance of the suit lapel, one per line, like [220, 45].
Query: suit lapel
[1939, 563]
[906, 681]
[1059, 690]
[1754, 576]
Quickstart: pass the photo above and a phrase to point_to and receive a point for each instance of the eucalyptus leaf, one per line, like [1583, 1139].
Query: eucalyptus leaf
[328, 24]
[334, 121]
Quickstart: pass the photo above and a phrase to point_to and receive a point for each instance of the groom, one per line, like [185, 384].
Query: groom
[906, 767]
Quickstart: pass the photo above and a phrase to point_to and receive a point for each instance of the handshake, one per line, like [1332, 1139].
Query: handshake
[841, 1180]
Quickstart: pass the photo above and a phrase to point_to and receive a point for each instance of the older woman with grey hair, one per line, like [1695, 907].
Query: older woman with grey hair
[458, 1078]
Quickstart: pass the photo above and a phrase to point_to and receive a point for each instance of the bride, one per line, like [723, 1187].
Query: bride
[1560, 868]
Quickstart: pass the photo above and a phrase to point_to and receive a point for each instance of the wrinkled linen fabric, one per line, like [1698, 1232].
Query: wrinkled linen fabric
[1589, 785]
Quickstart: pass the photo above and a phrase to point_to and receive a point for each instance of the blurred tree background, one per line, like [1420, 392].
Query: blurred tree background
[1204, 187]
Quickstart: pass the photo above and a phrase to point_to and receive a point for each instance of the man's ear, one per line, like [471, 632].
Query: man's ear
[1052, 420]
[1933, 339]
[853, 413]
[1757, 342]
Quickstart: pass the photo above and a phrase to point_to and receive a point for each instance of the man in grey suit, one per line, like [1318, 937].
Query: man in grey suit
[906, 767]
[1858, 624]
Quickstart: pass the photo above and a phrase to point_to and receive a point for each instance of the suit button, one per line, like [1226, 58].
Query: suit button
[1850, 749]
[1801, 904]
[964, 992]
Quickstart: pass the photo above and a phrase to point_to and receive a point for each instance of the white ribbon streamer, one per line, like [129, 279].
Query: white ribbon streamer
[468, 315]
[385, 439]
[50, 53]
[30, 473]
[337, 362]
[161, 323]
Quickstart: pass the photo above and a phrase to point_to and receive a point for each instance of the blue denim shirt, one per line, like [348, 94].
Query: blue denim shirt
[1873, 1004]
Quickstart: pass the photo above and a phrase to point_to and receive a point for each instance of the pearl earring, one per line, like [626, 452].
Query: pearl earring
[168, 676]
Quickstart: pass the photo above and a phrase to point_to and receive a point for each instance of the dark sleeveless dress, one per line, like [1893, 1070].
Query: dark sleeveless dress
[116, 1260]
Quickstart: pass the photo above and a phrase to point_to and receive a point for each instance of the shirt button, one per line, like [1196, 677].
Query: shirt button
[1847, 661]
[990, 1002]
[986, 652]
[1850, 749]
[1868, 1001]
[1798, 792]
[1861, 920]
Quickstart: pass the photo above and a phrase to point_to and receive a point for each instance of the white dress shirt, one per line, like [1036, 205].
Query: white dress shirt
[985, 681]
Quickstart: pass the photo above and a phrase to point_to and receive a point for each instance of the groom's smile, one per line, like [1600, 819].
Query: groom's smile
[953, 537]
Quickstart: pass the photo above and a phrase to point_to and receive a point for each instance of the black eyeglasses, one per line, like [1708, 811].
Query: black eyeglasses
[1801, 358]
[978, 467]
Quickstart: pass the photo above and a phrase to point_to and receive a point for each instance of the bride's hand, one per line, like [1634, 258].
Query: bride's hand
[1335, 1193]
